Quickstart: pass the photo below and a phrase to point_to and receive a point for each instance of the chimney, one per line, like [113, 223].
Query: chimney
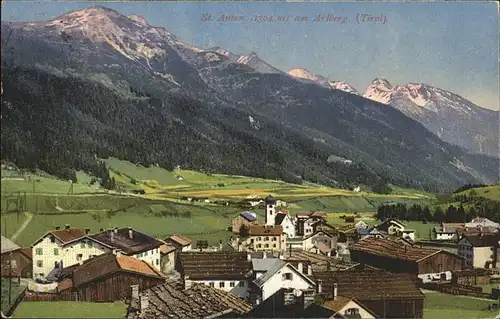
[309, 270]
[112, 236]
[58, 227]
[135, 292]
[301, 267]
[67, 226]
[144, 301]
[130, 233]
[116, 230]
[249, 257]
[87, 231]
[220, 245]
[320, 287]
[334, 291]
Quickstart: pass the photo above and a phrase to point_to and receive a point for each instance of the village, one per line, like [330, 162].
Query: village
[287, 266]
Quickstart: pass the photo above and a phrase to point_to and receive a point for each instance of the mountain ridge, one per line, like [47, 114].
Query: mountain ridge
[205, 99]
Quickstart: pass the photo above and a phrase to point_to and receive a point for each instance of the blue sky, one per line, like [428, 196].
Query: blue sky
[451, 45]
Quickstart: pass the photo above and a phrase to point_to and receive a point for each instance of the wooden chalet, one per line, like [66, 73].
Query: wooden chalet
[214, 266]
[392, 255]
[170, 300]
[16, 261]
[388, 295]
[107, 277]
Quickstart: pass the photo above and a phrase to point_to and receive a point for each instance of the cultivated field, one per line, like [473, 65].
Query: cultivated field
[161, 212]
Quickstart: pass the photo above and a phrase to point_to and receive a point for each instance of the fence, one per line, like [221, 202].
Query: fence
[457, 289]
[16, 303]
[45, 296]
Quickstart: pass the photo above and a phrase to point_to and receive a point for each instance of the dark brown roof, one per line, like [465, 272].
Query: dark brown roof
[370, 284]
[215, 265]
[319, 262]
[64, 235]
[199, 301]
[391, 248]
[264, 230]
[179, 239]
[484, 240]
[28, 252]
[139, 242]
[279, 219]
[106, 264]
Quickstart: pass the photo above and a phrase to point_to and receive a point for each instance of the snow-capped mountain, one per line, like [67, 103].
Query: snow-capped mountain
[145, 91]
[453, 118]
[321, 80]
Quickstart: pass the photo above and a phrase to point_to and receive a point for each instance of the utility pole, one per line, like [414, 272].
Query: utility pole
[36, 198]
[10, 278]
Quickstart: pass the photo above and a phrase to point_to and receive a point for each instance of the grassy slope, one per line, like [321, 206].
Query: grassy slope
[490, 192]
[16, 290]
[444, 306]
[68, 309]
[163, 189]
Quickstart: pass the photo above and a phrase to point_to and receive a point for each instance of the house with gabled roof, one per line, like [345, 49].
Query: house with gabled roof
[181, 243]
[132, 242]
[348, 308]
[393, 226]
[284, 220]
[272, 274]
[263, 238]
[480, 250]
[245, 218]
[15, 261]
[393, 255]
[61, 248]
[224, 270]
[108, 277]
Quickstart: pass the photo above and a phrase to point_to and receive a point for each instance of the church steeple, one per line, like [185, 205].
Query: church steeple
[270, 210]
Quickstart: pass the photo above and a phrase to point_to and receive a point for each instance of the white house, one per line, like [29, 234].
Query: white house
[482, 222]
[447, 231]
[273, 274]
[393, 226]
[132, 243]
[347, 308]
[480, 251]
[320, 241]
[63, 248]
[287, 222]
[226, 270]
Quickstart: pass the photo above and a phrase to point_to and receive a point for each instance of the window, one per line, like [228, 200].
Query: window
[39, 263]
[56, 251]
[266, 245]
[221, 284]
[157, 262]
[275, 239]
[39, 251]
[258, 238]
[211, 284]
[14, 264]
[241, 284]
[274, 245]
[145, 253]
[52, 239]
[79, 257]
[352, 311]
[287, 276]
[266, 238]
[231, 284]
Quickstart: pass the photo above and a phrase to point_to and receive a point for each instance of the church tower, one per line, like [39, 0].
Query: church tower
[270, 210]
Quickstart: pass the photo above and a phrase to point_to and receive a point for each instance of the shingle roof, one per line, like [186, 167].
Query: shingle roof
[319, 262]
[336, 304]
[8, 245]
[199, 301]
[391, 248]
[267, 265]
[64, 235]
[484, 240]
[264, 230]
[166, 248]
[322, 247]
[179, 239]
[139, 242]
[106, 264]
[370, 284]
[279, 219]
[215, 265]
[28, 252]
[248, 216]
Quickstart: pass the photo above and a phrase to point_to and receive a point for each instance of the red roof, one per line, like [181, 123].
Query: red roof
[179, 239]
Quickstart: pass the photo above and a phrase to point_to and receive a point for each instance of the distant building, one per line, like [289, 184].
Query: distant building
[228, 271]
[181, 243]
[447, 231]
[393, 226]
[167, 258]
[344, 307]
[263, 238]
[480, 251]
[15, 261]
[320, 242]
[307, 222]
[270, 210]
[287, 222]
[246, 218]
[482, 222]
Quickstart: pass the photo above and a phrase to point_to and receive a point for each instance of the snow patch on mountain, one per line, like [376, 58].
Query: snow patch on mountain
[321, 80]
[253, 123]
[254, 62]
